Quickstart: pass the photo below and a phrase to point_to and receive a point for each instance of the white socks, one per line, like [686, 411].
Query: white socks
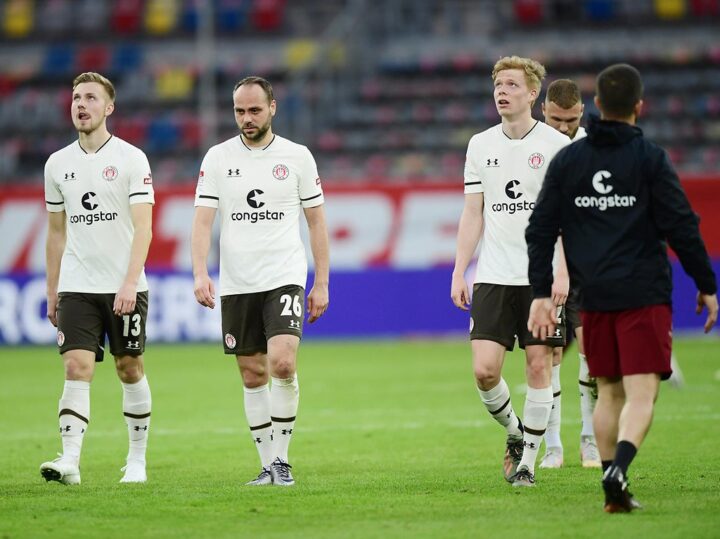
[552, 434]
[497, 402]
[257, 412]
[74, 415]
[284, 399]
[538, 403]
[137, 403]
[588, 398]
[270, 413]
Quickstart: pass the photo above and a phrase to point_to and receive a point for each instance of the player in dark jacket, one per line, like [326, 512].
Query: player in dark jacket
[617, 202]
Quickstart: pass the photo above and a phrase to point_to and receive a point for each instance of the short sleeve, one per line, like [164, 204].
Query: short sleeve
[206, 193]
[311, 193]
[141, 186]
[472, 177]
[54, 201]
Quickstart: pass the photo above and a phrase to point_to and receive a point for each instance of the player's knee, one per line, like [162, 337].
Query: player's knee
[486, 377]
[284, 368]
[77, 370]
[129, 369]
[254, 375]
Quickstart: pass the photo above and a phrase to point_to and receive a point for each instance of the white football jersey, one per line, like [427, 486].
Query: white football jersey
[509, 173]
[95, 191]
[580, 133]
[259, 193]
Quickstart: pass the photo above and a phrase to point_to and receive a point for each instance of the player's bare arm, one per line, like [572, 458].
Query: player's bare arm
[200, 247]
[319, 297]
[561, 283]
[141, 215]
[710, 302]
[469, 232]
[54, 248]
[543, 318]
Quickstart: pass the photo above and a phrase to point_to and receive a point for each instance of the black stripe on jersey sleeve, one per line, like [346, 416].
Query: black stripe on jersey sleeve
[139, 193]
[208, 196]
[473, 183]
[306, 199]
[55, 203]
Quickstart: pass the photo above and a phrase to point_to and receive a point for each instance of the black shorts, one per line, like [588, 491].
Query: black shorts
[84, 320]
[500, 313]
[572, 312]
[249, 320]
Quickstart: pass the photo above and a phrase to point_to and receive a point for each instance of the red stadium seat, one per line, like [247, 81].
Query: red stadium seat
[528, 11]
[93, 58]
[126, 15]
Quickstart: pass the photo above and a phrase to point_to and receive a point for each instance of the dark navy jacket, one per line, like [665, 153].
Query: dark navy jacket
[616, 200]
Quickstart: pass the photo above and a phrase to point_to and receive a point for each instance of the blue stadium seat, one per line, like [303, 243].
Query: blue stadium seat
[126, 57]
[599, 10]
[163, 135]
[59, 60]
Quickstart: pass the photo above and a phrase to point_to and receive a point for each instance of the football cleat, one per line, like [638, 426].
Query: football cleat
[62, 470]
[513, 456]
[280, 472]
[264, 478]
[553, 458]
[134, 472]
[523, 478]
[589, 453]
[617, 497]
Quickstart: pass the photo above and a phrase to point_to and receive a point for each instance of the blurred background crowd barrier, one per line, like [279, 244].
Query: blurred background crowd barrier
[386, 94]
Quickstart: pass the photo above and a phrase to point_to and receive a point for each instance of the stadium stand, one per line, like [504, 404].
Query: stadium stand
[390, 93]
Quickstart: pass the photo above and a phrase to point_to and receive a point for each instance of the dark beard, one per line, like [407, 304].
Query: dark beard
[259, 134]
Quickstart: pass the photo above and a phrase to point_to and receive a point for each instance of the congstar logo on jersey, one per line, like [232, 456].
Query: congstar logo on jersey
[254, 200]
[90, 202]
[513, 192]
[602, 203]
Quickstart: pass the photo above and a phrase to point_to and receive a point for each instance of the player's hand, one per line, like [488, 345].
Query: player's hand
[705, 300]
[52, 302]
[125, 299]
[560, 289]
[317, 301]
[459, 292]
[543, 318]
[205, 291]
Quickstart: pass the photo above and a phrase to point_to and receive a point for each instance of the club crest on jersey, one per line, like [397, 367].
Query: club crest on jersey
[230, 341]
[110, 173]
[60, 338]
[536, 160]
[280, 172]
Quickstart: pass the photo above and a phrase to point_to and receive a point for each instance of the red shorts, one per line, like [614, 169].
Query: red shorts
[621, 343]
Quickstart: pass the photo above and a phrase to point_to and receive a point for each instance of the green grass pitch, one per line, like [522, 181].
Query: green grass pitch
[391, 441]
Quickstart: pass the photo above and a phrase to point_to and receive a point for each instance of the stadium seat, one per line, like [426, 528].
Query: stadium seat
[174, 84]
[161, 16]
[93, 58]
[125, 18]
[705, 8]
[163, 135]
[599, 10]
[670, 9]
[528, 11]
[59, 60]
[189, 18]
[18, 18]
[231, 15]
[126, 57]
[268, 15]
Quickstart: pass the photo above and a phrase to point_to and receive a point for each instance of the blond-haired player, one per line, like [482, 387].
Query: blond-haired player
[99, 195]
[504, 170]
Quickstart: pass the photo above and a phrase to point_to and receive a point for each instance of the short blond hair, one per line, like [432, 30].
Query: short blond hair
[91, 76]
[534, 71]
